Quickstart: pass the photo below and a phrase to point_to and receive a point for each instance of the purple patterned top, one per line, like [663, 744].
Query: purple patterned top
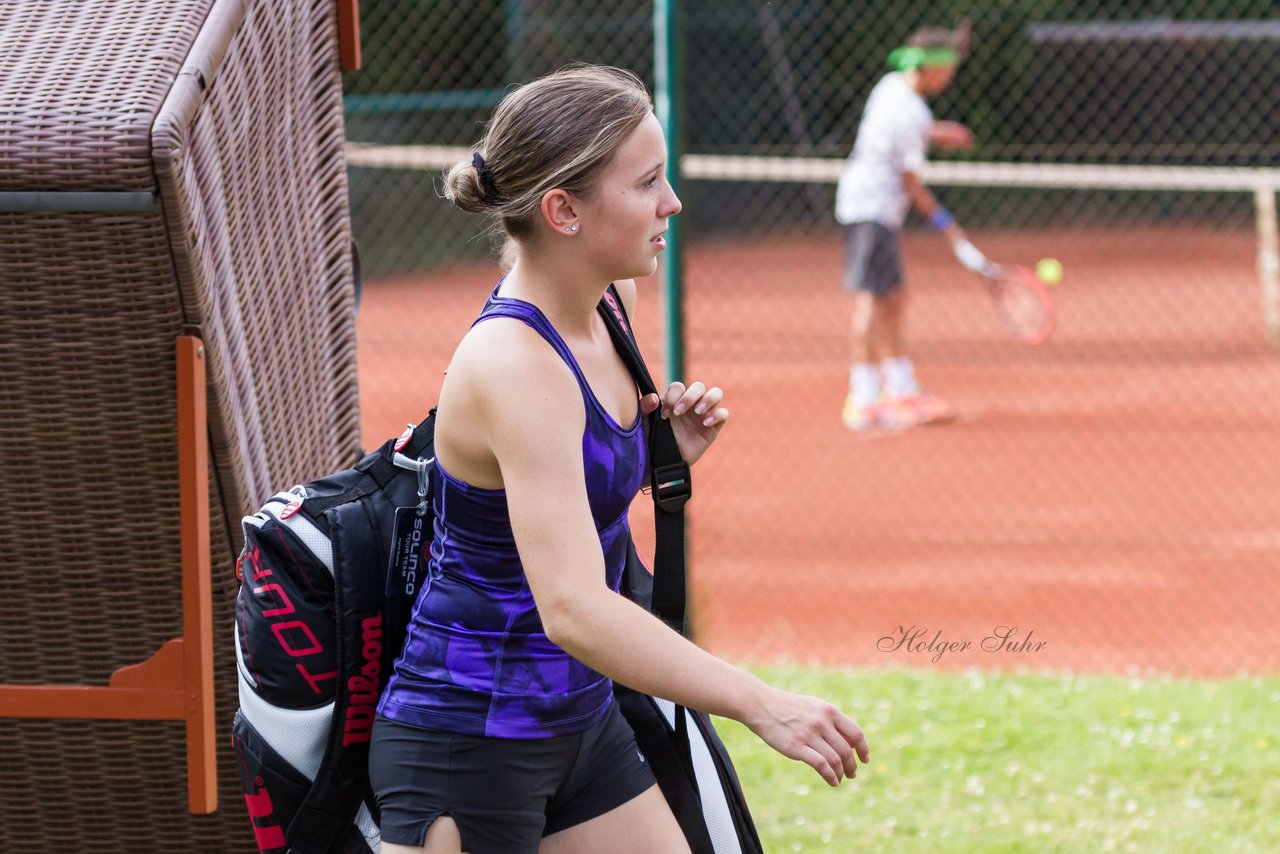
[476, 660]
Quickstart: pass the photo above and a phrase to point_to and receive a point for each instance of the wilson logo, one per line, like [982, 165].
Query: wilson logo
[363, 687]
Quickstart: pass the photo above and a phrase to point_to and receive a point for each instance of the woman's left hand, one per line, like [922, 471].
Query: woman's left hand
[695, 414]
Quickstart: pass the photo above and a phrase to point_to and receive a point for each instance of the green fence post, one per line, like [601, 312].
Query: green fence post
[514, 18]
[668, 61]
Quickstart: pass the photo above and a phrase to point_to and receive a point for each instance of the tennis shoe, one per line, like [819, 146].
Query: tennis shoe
[927, 408]
[882, 415]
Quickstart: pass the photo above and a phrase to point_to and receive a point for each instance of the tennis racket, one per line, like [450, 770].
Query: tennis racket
[1024, 302]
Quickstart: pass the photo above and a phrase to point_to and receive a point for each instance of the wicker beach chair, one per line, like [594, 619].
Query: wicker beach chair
[176, 342]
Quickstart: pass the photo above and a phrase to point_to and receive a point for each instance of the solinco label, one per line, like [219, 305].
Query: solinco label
[410, 553]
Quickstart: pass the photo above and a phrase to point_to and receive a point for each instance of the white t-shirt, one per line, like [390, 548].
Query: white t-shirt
[892, 138]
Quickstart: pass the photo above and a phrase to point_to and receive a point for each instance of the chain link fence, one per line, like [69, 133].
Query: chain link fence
[1104, 502]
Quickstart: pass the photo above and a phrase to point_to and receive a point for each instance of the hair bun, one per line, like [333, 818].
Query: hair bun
[463, 187]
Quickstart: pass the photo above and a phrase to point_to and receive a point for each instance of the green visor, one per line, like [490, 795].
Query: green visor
[906, 58]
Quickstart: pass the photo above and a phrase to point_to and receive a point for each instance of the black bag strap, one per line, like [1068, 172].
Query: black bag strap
[331, 805]
[672, 487]
[669, 476]
[324, 822]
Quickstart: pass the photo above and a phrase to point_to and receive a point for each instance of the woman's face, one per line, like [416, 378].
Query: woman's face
[625, 219]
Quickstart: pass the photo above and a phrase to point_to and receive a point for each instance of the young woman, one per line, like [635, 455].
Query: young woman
[498, 731]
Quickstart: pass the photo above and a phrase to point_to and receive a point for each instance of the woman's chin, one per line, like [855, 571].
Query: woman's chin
[648, 269]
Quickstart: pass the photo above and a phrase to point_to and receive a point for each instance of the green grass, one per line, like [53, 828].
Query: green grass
[1028, 763]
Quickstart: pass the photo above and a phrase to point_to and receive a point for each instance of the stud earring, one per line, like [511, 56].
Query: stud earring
[571, 228]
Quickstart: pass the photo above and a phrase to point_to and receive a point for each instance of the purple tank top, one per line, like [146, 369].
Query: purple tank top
[476, 660]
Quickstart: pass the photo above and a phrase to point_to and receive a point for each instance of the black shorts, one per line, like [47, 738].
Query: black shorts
[505, 794]
[872, 259]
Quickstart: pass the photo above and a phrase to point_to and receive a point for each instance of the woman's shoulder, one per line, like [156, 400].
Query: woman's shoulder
[503, 377]
[504, 362]
[503, 347]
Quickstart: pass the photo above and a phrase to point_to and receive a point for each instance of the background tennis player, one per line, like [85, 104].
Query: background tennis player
[880, 182]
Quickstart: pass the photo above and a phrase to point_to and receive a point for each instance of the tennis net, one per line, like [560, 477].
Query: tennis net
[1256, 185]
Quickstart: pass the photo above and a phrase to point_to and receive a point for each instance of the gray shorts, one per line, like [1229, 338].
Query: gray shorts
[872, 259]
[504, 794]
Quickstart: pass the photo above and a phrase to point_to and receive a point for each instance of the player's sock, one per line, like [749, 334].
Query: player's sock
[864, 384]
[899, 377]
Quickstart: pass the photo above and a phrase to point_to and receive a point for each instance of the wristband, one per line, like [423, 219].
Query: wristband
[941, 219]
[970, 256]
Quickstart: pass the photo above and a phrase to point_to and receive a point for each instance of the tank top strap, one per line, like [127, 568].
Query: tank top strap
[497, 306]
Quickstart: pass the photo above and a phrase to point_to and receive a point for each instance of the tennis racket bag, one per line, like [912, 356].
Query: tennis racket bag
[694, 772]
[320, 620]
[687, 757]
[329, 573]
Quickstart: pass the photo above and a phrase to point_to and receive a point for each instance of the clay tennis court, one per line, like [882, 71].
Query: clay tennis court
[1111, 494]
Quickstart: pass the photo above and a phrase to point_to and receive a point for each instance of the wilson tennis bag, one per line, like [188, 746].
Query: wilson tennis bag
[329, 573]
[319, 622]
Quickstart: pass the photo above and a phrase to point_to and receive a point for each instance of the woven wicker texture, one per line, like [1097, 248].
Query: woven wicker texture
[229, 111]
[82, 84]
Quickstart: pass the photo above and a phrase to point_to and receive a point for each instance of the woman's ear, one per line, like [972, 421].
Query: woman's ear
[559, 213]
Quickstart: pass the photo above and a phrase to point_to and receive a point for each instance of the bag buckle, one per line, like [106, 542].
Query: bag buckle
[672, 486]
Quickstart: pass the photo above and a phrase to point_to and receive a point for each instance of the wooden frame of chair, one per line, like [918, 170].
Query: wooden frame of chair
[176, 683]
[349, 34]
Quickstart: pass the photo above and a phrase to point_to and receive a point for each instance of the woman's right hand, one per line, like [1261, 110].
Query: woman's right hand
[695, 414]
[811, 731]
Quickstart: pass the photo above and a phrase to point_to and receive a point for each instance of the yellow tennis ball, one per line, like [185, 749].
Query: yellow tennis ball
[1049, 271]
